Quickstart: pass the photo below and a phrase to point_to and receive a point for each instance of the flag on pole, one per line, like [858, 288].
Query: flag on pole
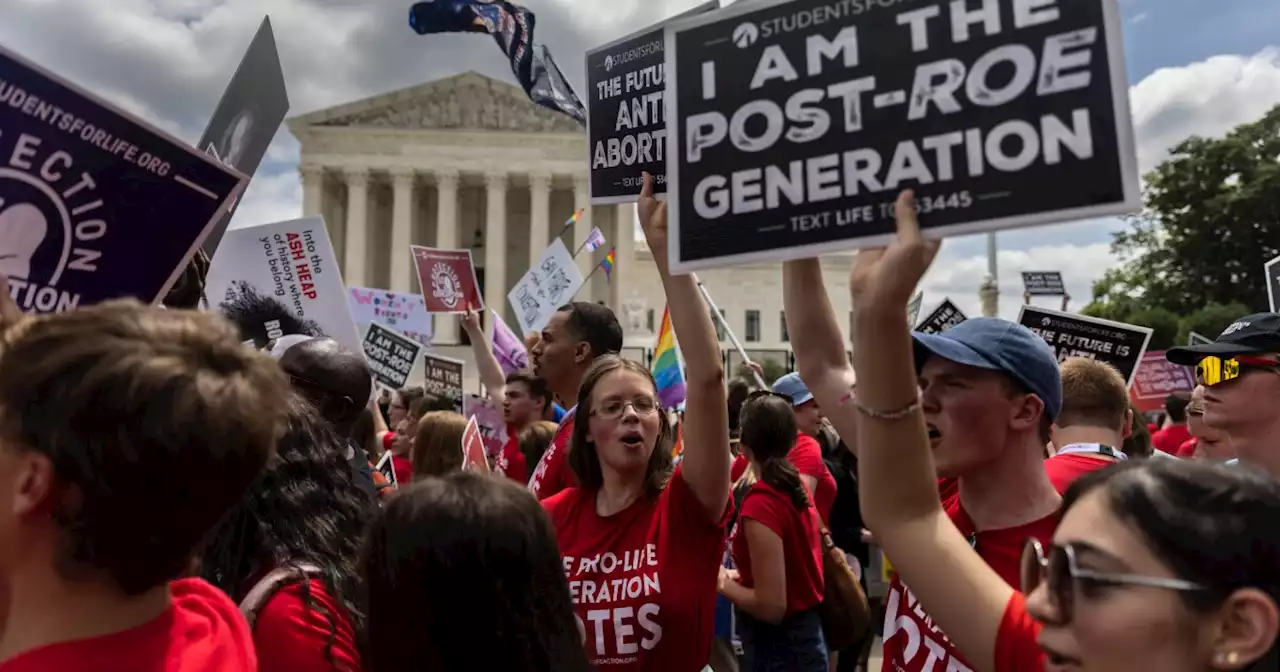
[595, 240]
[507, 347]
[609, 260]
[573, 219]
[666, 365]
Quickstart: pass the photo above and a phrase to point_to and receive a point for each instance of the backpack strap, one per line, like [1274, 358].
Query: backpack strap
[269, 585]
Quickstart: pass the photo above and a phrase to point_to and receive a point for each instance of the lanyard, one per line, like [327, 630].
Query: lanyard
[1094, 448]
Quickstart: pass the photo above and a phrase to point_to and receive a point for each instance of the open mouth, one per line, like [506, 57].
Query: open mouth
[934, 435]
[632, 440]
[1058, 662]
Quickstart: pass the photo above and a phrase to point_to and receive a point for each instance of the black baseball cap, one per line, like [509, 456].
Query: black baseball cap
[1253, 335]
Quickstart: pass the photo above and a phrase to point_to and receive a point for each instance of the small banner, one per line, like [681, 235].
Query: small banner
[448, 280]
[473, 457]
[545, 287]
[391, 355]
[944, 317]
[386, 468]
[94, 203]
[1156, 379]
[405, 313]
[1071, 335]
[443, 378]
[1272, 269]
[1038, 283]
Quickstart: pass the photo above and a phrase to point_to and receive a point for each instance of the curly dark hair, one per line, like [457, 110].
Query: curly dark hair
[306, 508]
[188, 291]
[250, 311]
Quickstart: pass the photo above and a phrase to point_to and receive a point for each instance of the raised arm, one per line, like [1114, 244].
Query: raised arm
[819, 348]
[706, 426]
[491, 376]
[897, 483]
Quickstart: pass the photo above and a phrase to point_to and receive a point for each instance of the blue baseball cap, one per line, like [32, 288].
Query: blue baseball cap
[790, 385]
[999, 345]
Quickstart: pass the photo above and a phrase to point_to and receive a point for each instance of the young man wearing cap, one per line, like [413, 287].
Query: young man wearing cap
[1241, 377]
[990, 390]
[806, 455]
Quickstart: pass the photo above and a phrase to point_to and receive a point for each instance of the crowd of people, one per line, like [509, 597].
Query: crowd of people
[173, 500]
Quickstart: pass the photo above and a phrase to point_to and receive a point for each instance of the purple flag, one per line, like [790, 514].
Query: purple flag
[508, 349]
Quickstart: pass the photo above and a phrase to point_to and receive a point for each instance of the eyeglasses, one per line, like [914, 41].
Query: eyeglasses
[1063, 576]
[613, 409]
[1214, 370]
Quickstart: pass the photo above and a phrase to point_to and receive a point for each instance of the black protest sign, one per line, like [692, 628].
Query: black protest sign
[626, 117]
[942, 318]
[1272, 269]
[391, 355]
[248, 116]
[388, 469]
[795, 124]
[1071, 335]
[1041, 283]
[444, 378]
[95, 204]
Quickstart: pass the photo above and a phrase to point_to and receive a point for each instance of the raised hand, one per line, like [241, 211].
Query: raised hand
[471, 320]
[888, 276]
[653, 217]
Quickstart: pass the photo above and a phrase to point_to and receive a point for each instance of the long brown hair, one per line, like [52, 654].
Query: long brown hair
[583, 458]
[769, 433]
[437, 446]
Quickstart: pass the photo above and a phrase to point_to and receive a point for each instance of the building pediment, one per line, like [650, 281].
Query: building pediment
[469, 101]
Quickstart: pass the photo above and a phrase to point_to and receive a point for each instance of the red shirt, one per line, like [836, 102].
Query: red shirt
[201, 631]
[512, 464]
[1171, 438]
[643, 581]
[738, 468]
[289, 635]
[801, 544]
[553, 473]
[1063, 470]
[806, 455]
[1016, 647]
[1187, 450]
[912, 643]
[403, 469]
[388, 439]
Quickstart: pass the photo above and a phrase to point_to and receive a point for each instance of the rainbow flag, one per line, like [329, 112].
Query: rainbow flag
[571, 221]
[609, 260]
[666, 365]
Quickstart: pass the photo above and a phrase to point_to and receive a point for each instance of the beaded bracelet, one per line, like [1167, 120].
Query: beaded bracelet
[900, 414]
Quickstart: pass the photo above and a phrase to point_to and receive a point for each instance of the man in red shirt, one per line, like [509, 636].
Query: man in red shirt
[1094, 422]
[1175, 432]
[806, 455]
[126, 433]
[577, 335]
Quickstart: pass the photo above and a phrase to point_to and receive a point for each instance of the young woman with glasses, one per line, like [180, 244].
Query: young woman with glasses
[641, 542]
[1157, 564]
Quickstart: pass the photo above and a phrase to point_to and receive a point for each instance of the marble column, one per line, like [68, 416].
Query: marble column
[539, 215]
[446, 326]
[495, 245]
[312, 190]
[582, 201]
[624, 244]
[404, 180]
[357, 249]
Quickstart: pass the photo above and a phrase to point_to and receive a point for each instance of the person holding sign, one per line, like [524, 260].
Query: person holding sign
[642, 540]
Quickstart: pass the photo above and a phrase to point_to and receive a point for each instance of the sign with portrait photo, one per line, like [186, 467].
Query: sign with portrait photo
[391, 356]
[794, 126]
[443, 378]
[1071, 335]
[626, 118]
[448, 280]
[95, 204]
[545, 287]
[944, 317]
[1040, 283]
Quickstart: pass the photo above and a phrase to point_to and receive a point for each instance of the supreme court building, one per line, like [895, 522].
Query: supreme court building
[470, 162]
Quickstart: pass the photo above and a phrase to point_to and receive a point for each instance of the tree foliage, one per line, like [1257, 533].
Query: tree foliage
[1211, 219]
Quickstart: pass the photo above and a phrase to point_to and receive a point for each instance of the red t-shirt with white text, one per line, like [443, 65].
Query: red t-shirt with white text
[201, 631]
[912, 643]
[643, 581]
[512, 463]
[289, 635]
[800, 532]
[553, 473]
[806, 457]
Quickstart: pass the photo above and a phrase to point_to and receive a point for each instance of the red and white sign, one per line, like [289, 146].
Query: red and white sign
[1156, 379]
[473, 458]
[448, 280]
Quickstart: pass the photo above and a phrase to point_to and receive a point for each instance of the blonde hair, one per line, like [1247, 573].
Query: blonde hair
[1093, 394]
[437, 446]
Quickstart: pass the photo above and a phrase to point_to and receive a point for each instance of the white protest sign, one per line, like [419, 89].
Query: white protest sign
[1272, 270]
[282, 279]
[545, 287]
[406, 313]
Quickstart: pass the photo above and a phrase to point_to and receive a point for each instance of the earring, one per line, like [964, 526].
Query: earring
[1229, 658]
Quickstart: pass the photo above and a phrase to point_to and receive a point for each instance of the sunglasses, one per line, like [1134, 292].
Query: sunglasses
[1213, 370]
[1060, 573]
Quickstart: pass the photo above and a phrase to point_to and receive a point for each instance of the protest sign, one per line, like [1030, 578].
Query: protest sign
[913, 307]
[282, 279]
[493, 429]
[1043, 283]
[1196, 339]
[793, 126]
[944, 317]
[1071, 335]
[473, 457]
[1272, 269]
[545, 287]
[626, 118]
[1156, 379]
[95, 204]
[443, 378]
[406, 313]
[248, 116]
[391, 355]
[448, 280]
[387, 468]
